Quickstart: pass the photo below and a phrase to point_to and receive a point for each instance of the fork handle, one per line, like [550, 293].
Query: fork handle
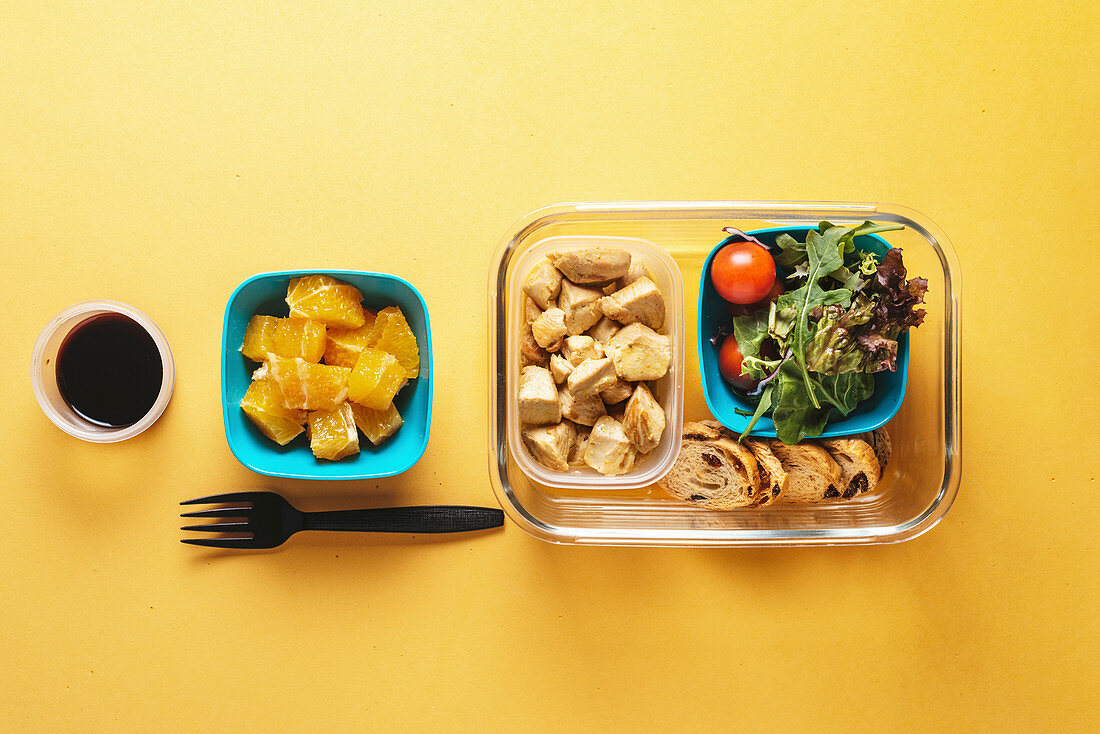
[424, 519]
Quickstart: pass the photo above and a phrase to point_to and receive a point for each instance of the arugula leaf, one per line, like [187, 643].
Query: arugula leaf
[824, 257]
[866, 228]
[762, 407]
[791, 251]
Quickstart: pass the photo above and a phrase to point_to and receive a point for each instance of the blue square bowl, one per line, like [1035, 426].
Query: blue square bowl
[265, 294]
[724, 401]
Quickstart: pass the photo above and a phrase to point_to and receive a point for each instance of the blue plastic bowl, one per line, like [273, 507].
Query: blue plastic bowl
[265, 294]
[724, 401]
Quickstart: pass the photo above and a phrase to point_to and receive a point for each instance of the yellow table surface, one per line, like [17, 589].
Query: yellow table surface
[159, 157]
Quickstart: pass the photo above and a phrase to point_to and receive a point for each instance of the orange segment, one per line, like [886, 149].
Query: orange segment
[263, 404]
[343, 346]
[303, 338]
[259, 337]
[306, 385]
[326, 299]
[391, 333]
[376, 379]
[376, 425]
[332, 433]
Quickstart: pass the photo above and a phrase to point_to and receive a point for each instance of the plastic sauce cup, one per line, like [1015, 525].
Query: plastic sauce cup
[44, 372]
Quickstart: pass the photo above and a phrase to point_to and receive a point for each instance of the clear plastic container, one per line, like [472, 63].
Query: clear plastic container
[668, 391]
[920, 482]
[44, 372]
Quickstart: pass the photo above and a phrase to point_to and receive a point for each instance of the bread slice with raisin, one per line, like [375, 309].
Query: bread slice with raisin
[859, 469]
[812, 475]
[714, 471]
[773, 477]
[882, 445]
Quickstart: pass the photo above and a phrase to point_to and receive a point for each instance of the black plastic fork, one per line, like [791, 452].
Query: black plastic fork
[270, 520]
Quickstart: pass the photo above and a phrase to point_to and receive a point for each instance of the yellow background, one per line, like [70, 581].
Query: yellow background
[160, 156]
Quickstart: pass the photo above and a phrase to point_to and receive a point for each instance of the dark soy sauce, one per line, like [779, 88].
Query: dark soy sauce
[109, 370]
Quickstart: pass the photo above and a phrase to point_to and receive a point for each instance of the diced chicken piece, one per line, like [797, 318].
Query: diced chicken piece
[583, 410]
[592, 264]
[549, 329]
[639, 353]
[530, 350]
[619, 391]
[644, 422]
[591, 376]
[543, 284]
[580, 305]
[560, 368]
[609, 451]
[531, 310]
[538, 398]
[580, 443]
[551, 445]
[640, 301]
[637, 270]
[579, 348]
[604, 329]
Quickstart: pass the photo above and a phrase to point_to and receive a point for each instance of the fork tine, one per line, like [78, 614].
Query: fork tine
[218, 527]
[222, 542]
[216, 498]
[219, 512]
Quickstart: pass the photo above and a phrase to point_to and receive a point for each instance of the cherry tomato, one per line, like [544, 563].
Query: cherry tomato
[737, 309]
[729, 364]
[742, 272]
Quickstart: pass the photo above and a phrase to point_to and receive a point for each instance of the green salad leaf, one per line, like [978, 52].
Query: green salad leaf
[796, 417]
[823, 256]
[762, 408]
[750, 332]
[834, 331]
[854, 267]
[836, 347]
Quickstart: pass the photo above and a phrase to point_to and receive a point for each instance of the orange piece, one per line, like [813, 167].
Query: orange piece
[376, 425]
[343, 346]
[332, 433]
[303, 338]
[391, 333]
[263, 404]
[259, 337]
[376, 379]
[326, 299]
[306, 385]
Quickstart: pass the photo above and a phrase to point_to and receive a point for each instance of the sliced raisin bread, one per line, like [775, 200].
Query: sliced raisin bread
[714, 471]
[812, 475]
[773, 476]
[859, 469]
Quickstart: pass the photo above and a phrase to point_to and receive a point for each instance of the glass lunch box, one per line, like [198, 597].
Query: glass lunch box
[919, 484]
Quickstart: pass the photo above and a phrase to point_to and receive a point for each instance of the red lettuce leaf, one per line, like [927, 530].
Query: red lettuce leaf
[895, 297]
